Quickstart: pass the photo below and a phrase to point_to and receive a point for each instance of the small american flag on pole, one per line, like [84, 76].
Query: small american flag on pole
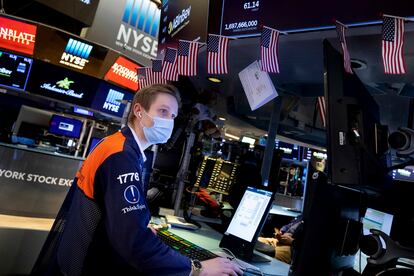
[169, 66]
[321, 105]
[144, 76]
[269, 51]
[340, 29]
[217, 49]
[157, 72]
[392, 45]
[187, 58]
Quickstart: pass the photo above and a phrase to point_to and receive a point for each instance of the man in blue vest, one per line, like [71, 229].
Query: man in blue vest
[101, 228]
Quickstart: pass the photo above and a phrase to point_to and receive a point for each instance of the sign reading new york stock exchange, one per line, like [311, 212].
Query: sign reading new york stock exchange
[32, 183]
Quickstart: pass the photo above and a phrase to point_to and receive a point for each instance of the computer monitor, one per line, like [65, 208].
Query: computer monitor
[14, 70]
[65, 126]
[247, 222]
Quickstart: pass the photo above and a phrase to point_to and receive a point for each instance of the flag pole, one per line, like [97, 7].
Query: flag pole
[285, 33]
[202, 43]
[342, 24]
[398, 17]
[229, 37]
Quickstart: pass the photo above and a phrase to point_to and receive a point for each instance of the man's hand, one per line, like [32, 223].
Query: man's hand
[220, 266]
[152, 228]
[286, 239]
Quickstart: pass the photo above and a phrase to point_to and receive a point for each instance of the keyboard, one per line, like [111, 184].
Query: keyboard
[185, 247]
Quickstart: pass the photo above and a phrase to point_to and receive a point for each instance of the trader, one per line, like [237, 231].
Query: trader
[101, 228]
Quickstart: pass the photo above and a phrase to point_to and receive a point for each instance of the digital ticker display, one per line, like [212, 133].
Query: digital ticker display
[241, 17]
[405, 174]
[14, 70]
[290, 151]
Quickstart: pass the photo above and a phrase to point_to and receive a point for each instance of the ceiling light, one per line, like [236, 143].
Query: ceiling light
[222, 118]
[232, 136]
[213, 79]
[358, 64]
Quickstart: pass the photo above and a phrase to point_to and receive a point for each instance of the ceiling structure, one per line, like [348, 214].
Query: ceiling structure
[301, 65]
[301, 81]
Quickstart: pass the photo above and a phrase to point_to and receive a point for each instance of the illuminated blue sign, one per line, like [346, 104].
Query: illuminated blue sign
[143, 15]
[76, 54]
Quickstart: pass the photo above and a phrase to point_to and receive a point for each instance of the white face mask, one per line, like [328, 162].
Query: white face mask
[160, 132]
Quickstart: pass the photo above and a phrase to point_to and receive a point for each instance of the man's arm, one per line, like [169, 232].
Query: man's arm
[127, 216]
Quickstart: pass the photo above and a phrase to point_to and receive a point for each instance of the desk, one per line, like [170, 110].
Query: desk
[209, 239]
[279, 210]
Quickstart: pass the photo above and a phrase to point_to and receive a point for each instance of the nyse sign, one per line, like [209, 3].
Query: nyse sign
[132, 40]
[129, 26]
[138, 30]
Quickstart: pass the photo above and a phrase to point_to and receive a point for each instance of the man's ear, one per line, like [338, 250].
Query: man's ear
[137, 108]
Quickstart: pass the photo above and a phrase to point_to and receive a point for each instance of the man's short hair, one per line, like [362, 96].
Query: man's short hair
[146, 96]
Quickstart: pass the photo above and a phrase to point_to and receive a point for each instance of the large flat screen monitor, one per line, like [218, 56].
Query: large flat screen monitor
[14, 70]
[64, 126]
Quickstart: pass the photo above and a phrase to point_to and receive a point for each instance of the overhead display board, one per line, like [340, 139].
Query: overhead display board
[128, 26]
[17, 36]
[246, 18]
[81, 10]
[72, 52]
[186, 19]
[242, 17]
[14, 70]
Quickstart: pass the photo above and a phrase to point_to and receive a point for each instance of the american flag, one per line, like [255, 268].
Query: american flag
[144, 76]
[268, 47]
[187, 58]
[321, 105]
[169, 66]
[340, 29]
[156, 75]
[217, 48]
[392, 45]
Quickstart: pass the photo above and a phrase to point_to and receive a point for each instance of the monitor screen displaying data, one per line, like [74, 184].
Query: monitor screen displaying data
[249, 214]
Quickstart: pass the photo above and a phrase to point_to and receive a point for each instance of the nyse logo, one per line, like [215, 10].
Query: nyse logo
[113, 100]
[76, 54]
[138, 31]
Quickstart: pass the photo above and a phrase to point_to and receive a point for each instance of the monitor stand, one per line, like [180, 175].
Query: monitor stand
[254, 258]
[259, 259]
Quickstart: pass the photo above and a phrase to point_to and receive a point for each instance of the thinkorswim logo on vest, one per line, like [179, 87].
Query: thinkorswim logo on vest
[76, 54]
[138, 31]
[113, 100]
